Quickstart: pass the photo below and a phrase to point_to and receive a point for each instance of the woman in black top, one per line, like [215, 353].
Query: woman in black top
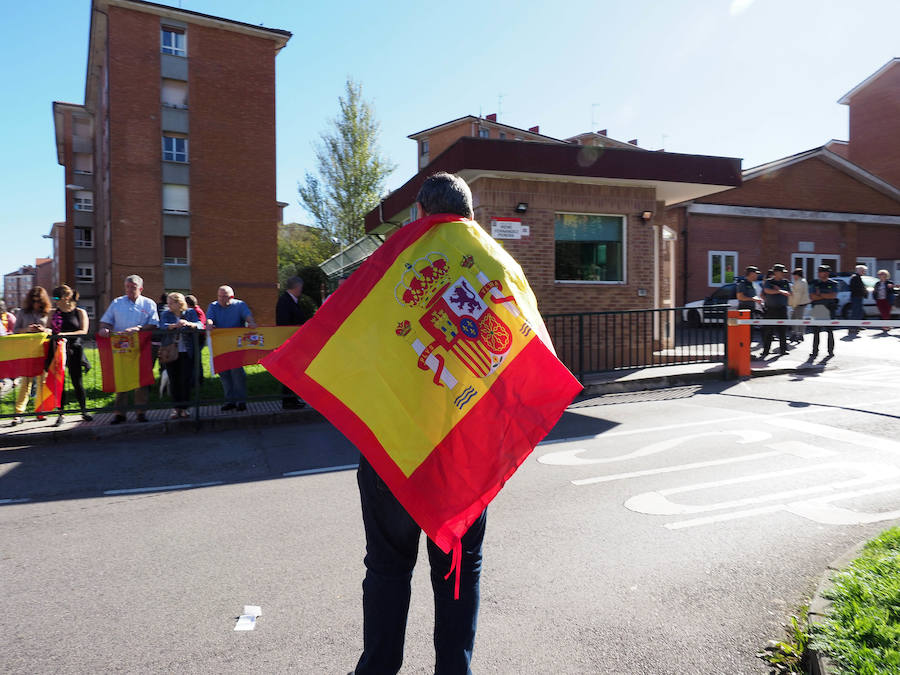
[70, 322]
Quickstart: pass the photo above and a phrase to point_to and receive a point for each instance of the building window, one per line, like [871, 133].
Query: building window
[425, 147]
[484, 132]
[809, 263]
[89, 307]
[84, 273]
[84, 201]
[84, 237]
[590, 247]
[502, 135]
[173, 41]
[722, 266]
[175, 149]
[175, 250]
[174, 94]
[83, 162]
[176, 199]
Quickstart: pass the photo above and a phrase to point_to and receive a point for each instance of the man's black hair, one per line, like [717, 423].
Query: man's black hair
[295, 282]
[445, 193]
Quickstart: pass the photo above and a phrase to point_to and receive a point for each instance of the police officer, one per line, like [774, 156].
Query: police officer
[777, 290]
[823, 295]
[746, 291]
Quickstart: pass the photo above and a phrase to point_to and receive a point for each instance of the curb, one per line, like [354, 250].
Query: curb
[166, 427]
[819, 606]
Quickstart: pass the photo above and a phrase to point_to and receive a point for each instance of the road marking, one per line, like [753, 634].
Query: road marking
[837, 434]
[571, 458]
[161, 488]
[9, 466]
[324, 469]
[658, 503]
[672, 469]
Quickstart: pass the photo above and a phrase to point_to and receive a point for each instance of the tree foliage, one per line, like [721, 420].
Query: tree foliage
[299, 248]
[350, 170]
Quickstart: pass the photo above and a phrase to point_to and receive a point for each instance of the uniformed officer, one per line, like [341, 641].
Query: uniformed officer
[746, 291]
[823, 295]
[777, 290]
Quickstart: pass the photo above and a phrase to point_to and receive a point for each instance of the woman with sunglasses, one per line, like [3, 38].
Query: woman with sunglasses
[71, 322]
[32, 318]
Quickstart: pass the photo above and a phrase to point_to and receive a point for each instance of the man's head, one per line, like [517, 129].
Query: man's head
[861, 269]
[225, 295]
[133, 286]
[824, 272]
[798, 273]
[778, 271]
[751, 273]
[445, 193]
[295, 286]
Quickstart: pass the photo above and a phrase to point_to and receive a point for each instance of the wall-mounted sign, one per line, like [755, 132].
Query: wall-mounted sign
[509, 228]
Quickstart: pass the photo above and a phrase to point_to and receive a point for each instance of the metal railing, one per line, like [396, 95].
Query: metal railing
[206, 390]
[597, 342]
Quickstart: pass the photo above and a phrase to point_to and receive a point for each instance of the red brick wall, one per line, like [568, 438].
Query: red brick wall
[232, 145]
[135, 151]
[875, 126]
[495, 197]
[809, 185]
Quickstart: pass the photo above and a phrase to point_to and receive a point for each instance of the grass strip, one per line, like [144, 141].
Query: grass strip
[861, 633]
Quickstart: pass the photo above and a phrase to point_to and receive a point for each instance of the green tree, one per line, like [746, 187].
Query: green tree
[301, 247]
[351, 170]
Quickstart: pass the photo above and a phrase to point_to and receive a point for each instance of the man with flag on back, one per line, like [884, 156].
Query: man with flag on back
[434, 361]
[128, 314]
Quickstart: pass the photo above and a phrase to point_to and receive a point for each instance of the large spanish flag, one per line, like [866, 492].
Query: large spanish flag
[22, 355]
[126, 360]
[49, 395]
[434, 361]
[235, 347]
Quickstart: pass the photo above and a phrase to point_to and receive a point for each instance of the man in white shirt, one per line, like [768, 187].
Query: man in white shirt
[127, 314]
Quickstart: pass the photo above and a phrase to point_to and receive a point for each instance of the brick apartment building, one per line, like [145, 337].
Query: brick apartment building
[583, 216]
[17, 284]
[838, 204]
[170, 162]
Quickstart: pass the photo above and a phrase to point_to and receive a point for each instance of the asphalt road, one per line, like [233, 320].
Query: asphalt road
[666, 532]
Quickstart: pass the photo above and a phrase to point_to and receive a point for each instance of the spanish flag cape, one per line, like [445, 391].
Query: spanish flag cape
[126, 361]
[434, 361]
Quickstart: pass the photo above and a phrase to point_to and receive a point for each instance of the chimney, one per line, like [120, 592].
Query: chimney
[492, 117]
[633, 141]
[602, 132]
[535, 130]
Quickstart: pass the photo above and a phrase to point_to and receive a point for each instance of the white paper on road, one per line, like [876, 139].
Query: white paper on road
[253, 610]
[245, 622]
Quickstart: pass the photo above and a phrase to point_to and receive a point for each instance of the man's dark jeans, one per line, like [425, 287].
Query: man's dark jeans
[392, 544]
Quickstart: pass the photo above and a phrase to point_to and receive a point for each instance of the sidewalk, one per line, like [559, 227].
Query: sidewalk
[871, 346]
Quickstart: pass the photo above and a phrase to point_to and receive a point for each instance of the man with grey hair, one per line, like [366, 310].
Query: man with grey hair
[858, 293]
[392, 538]
[229, 312]
[126, 314]
[293, 309]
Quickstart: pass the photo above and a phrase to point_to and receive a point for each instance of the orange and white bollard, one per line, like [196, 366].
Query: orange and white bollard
[738, 344]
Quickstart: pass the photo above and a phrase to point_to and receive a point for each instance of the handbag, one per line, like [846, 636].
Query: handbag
[168, 353]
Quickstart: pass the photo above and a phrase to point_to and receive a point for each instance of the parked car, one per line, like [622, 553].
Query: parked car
[700, 312]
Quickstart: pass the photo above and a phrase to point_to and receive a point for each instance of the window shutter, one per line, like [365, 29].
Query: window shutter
[176, 198]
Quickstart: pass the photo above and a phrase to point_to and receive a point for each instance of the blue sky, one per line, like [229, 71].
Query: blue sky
[756, 79]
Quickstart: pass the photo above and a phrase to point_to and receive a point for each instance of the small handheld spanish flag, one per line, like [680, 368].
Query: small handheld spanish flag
[434, 361]
[126, 361]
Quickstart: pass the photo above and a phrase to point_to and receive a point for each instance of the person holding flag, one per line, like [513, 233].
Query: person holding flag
[129, 313]
[32, 318]
[229, 312]
[71, 322]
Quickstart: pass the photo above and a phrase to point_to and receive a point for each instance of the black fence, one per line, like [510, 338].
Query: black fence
[596, 342]
[206, 390]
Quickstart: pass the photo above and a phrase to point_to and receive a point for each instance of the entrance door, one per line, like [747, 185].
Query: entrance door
[810, 263]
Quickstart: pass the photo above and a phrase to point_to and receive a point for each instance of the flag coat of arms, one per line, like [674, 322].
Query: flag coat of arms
[126, 361]
[23, 355]
[236, 347]
[434, 361]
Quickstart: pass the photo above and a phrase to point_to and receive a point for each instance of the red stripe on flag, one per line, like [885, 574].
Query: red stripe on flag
[54, 381]
[104, 349]
[238, 358]
[30, 367]
[145, 362]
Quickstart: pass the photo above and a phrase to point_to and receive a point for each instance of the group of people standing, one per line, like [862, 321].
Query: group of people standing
[175, 319]
[820, 295]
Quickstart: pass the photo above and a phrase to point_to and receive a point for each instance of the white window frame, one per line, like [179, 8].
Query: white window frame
[817, 260]
[484, 132]
[426, 147]
[624, 280]
[90, 307]
[83, 201]
[173, 49]
[84, 273]
[173, 153]
[169, 86]
[709, 267]
[84, 242]
[182, 262]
